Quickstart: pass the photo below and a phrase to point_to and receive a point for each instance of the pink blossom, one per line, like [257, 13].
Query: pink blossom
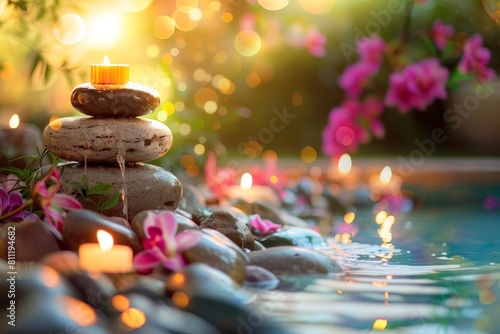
[491, 202]
[355, 77]
[217, 179]
[315, 42]
[476, 58]
[12, 201]
[162, 245]
[371, 50]
[441, 33]
[264, 227]
[343, 133]
[46, 197]
[417, 86]
[372, 109]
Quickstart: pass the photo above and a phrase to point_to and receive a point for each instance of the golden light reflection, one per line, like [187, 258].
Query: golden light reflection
[269, 156]
[120, 302]
[380, 217]
[386, 175]
[247, 42]
[69, 29]
[177, 279]
[164, 27]
[55, 122]
[199, 149]
[308, 154]
[380, 324]
[162, 115]
[78, 311]
[180, 299]
[193, 171]
[133, 318]
[345, 164]
[50, 277]
[273, 4]
[349, 217]
[183, 21]
[14, 121]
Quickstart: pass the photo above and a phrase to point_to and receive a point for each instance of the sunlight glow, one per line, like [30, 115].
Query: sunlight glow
[69, 29]
[104, 30]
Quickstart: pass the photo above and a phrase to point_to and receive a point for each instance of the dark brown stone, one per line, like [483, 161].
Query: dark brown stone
[129, 100]
[233, 228]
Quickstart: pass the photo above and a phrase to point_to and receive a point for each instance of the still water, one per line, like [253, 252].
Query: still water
[440, 273]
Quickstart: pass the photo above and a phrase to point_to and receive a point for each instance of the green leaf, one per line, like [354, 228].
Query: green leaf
[35, 63]
[456, 77]
[47, 74]
[100, 189]
[78, 188]
[85, 180]
[111, 202]
[429, 45]
[448, 51]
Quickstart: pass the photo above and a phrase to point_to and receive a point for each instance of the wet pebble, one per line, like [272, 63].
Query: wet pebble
[294, 236]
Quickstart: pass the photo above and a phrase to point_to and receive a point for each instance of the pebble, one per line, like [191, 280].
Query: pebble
[131, 100]
[183, 223]
[81, 138]
[34, 240]
[271, 212]
[149, 187]
[192, 199]
[260, 278]
[80, 226]
[217, 254]
[233, 228]
[294, 236]
[294, 266]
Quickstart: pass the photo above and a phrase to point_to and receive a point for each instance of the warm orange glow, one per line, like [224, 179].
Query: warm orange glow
[14, 121]
[380, 217]
[50, 277]
[180, 299]
[178, 279]
[120, 302]
[345, 164]
[349, 217]
[246, 181]
[105, 240]
[107, 73]
[78, 311]
[133, 318]
[386, 175]
[55, 123]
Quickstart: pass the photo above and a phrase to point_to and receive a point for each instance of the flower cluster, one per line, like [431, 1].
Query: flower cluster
[410, 86]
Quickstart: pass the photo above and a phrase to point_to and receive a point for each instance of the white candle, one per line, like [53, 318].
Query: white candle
[249, 192]
[104, 256]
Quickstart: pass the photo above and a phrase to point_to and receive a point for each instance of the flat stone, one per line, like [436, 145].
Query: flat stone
[129, 100]
[149, 187]
[218, 255]
[294, 236]
[80, 226]
[81, 138]
[232, 227]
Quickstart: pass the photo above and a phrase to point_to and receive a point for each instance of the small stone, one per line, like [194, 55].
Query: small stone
[294, 236]
[294, 266]
[149, 187]
[80, 226]
[259, 246]
[271, 212]
[33, 240]
[260, 278]
[183, 223]
[81, 138]
[233, 228]
[95, 289]
[218, 255]
[129, 100]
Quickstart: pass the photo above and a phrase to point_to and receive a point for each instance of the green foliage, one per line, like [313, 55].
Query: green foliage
[96, 195]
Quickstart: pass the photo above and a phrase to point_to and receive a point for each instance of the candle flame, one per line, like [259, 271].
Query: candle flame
[246, 181]
[105, 240]
[14, 121]
[106, 61]
[345, 164]
[386, 175]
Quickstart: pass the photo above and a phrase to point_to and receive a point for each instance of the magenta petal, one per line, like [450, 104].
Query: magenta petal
[66, 202]
[4, 200]
[15, 200]
[147, 259]
[174, 263]
[187, 239]
[168, 223]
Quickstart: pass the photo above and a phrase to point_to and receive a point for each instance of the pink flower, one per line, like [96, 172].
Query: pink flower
[491, 202]
[11, 202]
[343, 133]
[417, 86]
[264, 227]
[162, 245]
[371, 50]
[476, 58]
[441, 33]
[218, 178]
[52, 203]
[315, 42]
[372, 109]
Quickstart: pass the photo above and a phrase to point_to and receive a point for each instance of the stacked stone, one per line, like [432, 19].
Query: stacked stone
[112, 134]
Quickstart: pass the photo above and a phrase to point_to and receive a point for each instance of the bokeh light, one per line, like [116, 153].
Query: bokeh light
[247, 42]
[164, 27]
[134, 6]
[308, 154]
[186, 5]
[317, 6]
[69, 29]
[104, 29]
[183, 21]
[204, 95]
[273, 4]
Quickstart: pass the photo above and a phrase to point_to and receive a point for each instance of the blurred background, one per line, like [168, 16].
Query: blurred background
[226, 68]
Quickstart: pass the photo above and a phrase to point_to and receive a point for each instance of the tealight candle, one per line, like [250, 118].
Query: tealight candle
[107, 73]
[386, 183]
[249, 192]
[104, 256]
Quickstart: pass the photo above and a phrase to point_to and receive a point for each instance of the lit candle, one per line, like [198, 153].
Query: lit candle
[104, 256]
[385, 183]
[106, 73]
[249, 192]
[344, 173]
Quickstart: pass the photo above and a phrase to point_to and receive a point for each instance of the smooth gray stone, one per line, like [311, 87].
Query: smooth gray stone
[118, 101]
[294, 236]
[149, 187]
[81, 138]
